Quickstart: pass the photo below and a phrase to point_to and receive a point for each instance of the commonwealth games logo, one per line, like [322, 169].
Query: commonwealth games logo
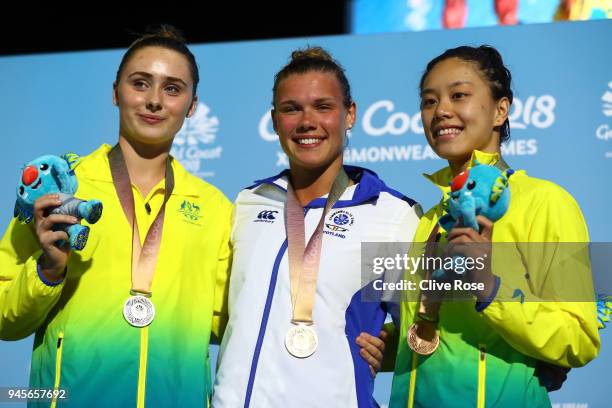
[194, 145]
[340, 220]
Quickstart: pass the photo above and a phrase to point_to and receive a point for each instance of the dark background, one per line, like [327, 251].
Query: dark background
[35, 31]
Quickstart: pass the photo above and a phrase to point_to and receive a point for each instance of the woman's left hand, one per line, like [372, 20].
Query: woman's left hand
[466, 242]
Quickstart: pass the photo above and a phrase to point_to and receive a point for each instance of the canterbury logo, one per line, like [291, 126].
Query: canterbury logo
[266, 216]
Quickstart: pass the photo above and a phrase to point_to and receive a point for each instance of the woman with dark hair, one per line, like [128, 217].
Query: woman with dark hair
[484, 352]
[127, 320]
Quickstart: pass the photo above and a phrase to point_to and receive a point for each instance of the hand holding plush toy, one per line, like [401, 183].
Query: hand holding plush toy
[53, 174]
[481, 190]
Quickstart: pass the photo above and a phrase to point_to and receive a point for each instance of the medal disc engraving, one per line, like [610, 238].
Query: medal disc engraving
[138, 311]
[301, 341]
[423, 338]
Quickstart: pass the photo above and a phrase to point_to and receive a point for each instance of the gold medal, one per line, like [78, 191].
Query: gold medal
[423, 337]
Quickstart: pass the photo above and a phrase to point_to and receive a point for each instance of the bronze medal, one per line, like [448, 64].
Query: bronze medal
[423, 337]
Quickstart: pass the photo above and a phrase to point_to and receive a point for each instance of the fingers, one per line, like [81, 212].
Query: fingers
[47, 222]
[49, 238]
[462, 233]
[372, 362]
[486, 227]
[376, 342]
[371, 349]
[45, 202]
[44, 229]
[372, 371]
[383, 335]
[485, 234]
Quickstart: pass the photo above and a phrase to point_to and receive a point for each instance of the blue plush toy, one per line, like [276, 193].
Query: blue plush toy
[481, 190]
[52, 174]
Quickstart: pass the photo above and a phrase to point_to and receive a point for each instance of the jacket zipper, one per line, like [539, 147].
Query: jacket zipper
[413, 372]
[482, 375]
[58, 367]
[142, 369]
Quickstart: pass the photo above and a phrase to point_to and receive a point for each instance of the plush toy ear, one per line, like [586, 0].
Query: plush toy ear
[72, 159]
[17, 211]
[444, 205]
[22, 214]
[501, 183]
[64, 176]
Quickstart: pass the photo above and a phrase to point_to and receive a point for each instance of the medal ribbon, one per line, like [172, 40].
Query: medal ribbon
[144, 257]
[304, 258]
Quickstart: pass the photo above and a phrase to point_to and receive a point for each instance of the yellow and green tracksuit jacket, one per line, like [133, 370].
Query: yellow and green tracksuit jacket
[82, 343]
[488, 358]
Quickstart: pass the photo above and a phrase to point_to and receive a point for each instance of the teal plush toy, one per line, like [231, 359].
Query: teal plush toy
[53, 174]
[481, 190]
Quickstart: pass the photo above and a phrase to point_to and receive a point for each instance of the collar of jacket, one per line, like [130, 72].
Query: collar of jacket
[368, 187]
[95, 167]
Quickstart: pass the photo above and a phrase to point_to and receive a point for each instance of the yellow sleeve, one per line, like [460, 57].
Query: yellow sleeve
[25, 300]
[224, 266]
[557, 321]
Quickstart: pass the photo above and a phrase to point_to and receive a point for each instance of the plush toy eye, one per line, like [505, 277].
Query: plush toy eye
[21, 190]
[471, 185]
[44, 168]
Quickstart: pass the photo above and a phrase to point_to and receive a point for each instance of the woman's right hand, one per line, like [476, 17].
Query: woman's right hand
[54, 258]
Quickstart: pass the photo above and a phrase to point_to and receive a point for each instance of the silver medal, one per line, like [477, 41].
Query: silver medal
[301, 341]
[139, 311]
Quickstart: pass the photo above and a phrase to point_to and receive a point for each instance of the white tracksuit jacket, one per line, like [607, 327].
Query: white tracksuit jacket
[255, 369]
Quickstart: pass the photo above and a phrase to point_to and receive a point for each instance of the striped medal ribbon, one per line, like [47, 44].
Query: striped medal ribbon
[301, 340]
[138, 309]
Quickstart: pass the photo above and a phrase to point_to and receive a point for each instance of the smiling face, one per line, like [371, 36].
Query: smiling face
[311, 119]
[154, 95]
[459, 112]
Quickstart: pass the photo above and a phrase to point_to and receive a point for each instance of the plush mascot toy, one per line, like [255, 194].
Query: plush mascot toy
[52, 174]
[481, 190]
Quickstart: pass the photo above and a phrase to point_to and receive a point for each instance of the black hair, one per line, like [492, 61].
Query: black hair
[491, 65]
